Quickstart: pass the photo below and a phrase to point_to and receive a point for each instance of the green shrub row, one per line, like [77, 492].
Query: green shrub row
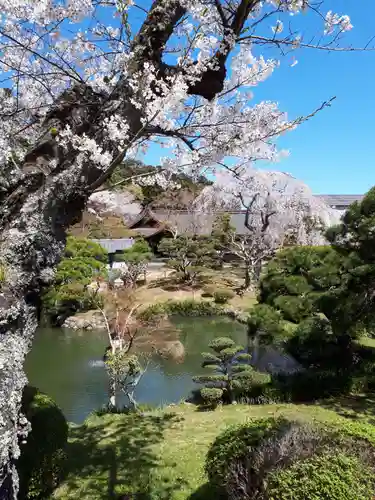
[188, 307]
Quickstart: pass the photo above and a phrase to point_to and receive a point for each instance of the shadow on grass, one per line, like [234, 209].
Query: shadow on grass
[112, 458]
[206, 492]
[356, 407]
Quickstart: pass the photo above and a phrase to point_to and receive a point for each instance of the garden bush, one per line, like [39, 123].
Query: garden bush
[255, 389]
[191, 307]
[232, 445]
[278, 459]
[153, 311]
[223, 296]
[208, 291]
[40, 466]
[188, 307]
[323, 477]
[315, 345]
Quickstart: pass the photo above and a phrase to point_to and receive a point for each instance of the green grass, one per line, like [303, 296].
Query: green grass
[367, 342]
[161, 455]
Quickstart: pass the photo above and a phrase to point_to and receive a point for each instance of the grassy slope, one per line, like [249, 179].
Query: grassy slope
[164, 450]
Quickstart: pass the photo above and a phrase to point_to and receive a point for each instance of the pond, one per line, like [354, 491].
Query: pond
[67, 365]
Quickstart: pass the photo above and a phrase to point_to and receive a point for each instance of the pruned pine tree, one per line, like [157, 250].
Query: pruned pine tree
[230, 368]
[189, 255]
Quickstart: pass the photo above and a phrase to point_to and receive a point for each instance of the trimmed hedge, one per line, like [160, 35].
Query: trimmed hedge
[323, 477]
[232, 445]
[188, 307]
[280, 459]
[40, 466]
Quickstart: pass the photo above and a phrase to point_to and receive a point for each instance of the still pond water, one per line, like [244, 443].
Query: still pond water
[67, 365]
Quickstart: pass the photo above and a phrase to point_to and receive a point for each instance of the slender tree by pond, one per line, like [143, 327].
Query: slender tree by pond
[82, 91]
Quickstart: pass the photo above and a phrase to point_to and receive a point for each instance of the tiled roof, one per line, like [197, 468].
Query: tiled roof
[148, 231]
[199, 222]
[115, 245]
[340, 200]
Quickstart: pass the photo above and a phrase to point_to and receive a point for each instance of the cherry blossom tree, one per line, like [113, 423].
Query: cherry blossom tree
[278, 210]
[83, 89]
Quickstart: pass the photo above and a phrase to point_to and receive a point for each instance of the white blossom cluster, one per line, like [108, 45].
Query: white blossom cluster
[291, 203]
[88, 148]
[41, 57]
[334, 21]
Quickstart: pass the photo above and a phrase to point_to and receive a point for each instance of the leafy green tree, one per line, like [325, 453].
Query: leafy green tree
[138, 252]
[84, 248]
[83, 262]
[230, 369]
[189, 255]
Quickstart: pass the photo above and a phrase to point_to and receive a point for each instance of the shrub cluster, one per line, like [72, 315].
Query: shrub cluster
[278, 459]
[222, 296]
[188, 307]
[83, 262]
[41, 464]
[208, 291]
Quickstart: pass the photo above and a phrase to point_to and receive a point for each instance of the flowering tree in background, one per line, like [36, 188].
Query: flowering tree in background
[279, 210]
[82, 90]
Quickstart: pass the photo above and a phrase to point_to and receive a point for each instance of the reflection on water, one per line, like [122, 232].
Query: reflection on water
[68, 365]
[95, 363]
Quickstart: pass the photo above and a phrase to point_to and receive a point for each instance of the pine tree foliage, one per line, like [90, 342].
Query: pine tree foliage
[189, 255]
[229, 366]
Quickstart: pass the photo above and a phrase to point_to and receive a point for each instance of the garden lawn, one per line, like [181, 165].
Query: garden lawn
[161, 455]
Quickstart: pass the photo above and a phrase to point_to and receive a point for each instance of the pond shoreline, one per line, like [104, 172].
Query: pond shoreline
[65, 364]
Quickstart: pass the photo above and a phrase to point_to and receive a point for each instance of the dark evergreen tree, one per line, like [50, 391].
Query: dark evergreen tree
[189, 255]
[351, 307]
[296, 278]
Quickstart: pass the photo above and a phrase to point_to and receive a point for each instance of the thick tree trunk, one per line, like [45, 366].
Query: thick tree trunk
[47, 195]
[37, 205]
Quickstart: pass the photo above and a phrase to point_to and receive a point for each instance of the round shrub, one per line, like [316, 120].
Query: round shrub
[40, 465]
[208, 291]
[233, 445]
[222, 296]
[314, 345]
[211, 396]
[277, 459]
[323, 477]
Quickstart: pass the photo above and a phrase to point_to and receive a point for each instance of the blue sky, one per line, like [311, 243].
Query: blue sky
[333, 152]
